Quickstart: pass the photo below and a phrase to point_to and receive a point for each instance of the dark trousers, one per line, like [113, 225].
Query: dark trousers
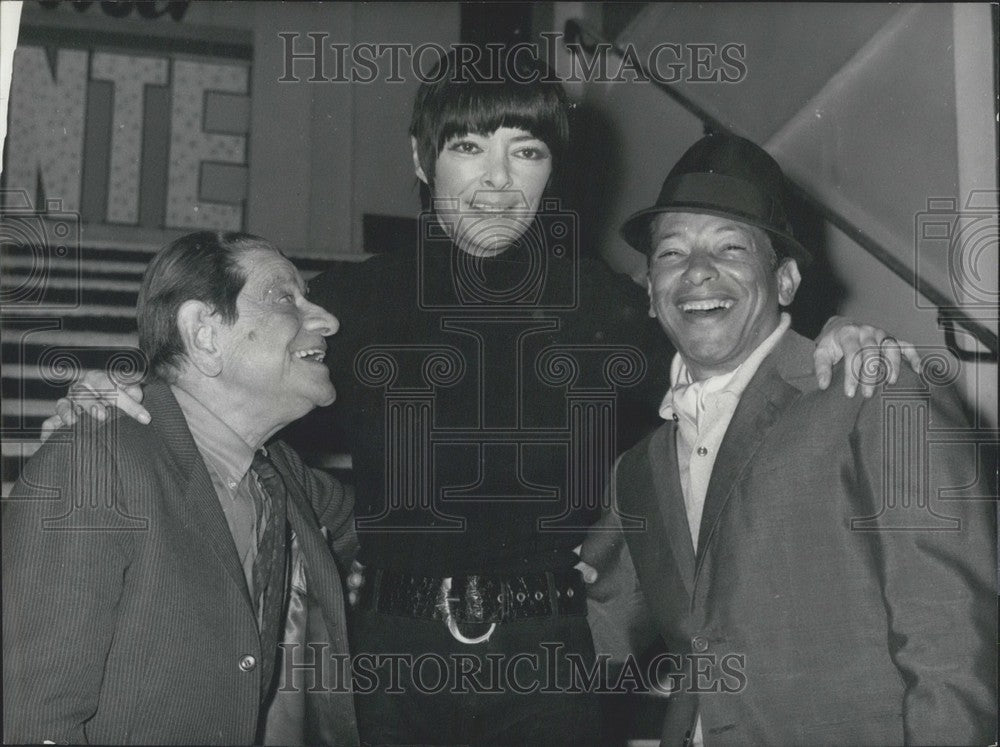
[426, 687]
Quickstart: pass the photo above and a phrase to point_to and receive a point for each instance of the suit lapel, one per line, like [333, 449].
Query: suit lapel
[322, 576]
[203, 514]
[670, 501]
[329, 717]
[271, 628]
[762, 402]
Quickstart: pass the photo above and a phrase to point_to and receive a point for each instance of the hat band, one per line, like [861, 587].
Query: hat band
[723, 193]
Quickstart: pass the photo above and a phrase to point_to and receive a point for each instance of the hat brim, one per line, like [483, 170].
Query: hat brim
[635, 230]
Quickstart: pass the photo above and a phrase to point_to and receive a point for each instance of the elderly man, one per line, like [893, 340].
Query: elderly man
[146, 568]
[811, 585]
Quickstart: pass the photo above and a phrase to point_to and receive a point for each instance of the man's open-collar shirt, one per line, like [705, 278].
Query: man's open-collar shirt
[702, 411]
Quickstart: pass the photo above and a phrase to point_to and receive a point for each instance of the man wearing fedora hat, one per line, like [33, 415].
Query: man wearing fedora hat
[798, 555]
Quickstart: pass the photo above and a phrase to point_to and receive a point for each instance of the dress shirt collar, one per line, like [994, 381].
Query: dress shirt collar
[229, 453]
[685, 395]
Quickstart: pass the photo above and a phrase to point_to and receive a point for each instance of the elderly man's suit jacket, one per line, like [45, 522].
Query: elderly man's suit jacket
[829, 601]
[126, 612]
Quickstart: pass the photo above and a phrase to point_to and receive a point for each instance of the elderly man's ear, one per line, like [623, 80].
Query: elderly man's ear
[788, 281]
[199, 327]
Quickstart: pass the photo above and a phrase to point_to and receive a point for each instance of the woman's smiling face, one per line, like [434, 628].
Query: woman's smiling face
[487, 188]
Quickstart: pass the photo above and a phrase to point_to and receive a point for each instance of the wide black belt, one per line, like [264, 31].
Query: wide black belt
[474, 599]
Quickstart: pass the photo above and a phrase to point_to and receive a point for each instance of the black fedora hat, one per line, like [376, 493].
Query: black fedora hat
[730, 177]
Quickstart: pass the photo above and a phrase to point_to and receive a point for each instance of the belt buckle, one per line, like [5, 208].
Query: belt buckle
[445, 606]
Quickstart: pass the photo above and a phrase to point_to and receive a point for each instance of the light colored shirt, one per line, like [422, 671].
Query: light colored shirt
[702, 411]
[228, 457]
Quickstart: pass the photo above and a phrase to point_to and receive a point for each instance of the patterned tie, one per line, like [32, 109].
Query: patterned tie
[269, 567]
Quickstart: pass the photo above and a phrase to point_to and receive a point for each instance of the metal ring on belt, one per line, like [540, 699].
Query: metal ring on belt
[449, 619]
[476, 599]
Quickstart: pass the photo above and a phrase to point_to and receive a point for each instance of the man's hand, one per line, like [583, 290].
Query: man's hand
[94, 394]
[355, 580]
[588, 571]
[866, 350]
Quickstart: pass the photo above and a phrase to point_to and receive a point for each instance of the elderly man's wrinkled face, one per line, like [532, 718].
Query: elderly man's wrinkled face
[273, 354]
[715, 288]
[487, 188]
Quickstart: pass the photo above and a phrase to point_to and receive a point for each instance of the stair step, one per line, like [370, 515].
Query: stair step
[67, 296]
[55, 337]
[72, 267]
[11, 280]
[26, 408]
[97, 310]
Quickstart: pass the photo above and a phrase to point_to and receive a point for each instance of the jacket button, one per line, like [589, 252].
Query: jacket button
[247, 663]
[699, 644]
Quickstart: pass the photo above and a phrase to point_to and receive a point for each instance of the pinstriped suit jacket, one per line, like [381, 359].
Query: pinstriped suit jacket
[125, 609]
[838, 596]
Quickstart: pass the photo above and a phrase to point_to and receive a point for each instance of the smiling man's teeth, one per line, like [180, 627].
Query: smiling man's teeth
[490, 208]
[706, 305]
[313, 354]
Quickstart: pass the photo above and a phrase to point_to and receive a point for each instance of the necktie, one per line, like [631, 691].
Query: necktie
[269, 566]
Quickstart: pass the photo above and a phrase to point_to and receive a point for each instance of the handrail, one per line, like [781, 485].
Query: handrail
[948, 315]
